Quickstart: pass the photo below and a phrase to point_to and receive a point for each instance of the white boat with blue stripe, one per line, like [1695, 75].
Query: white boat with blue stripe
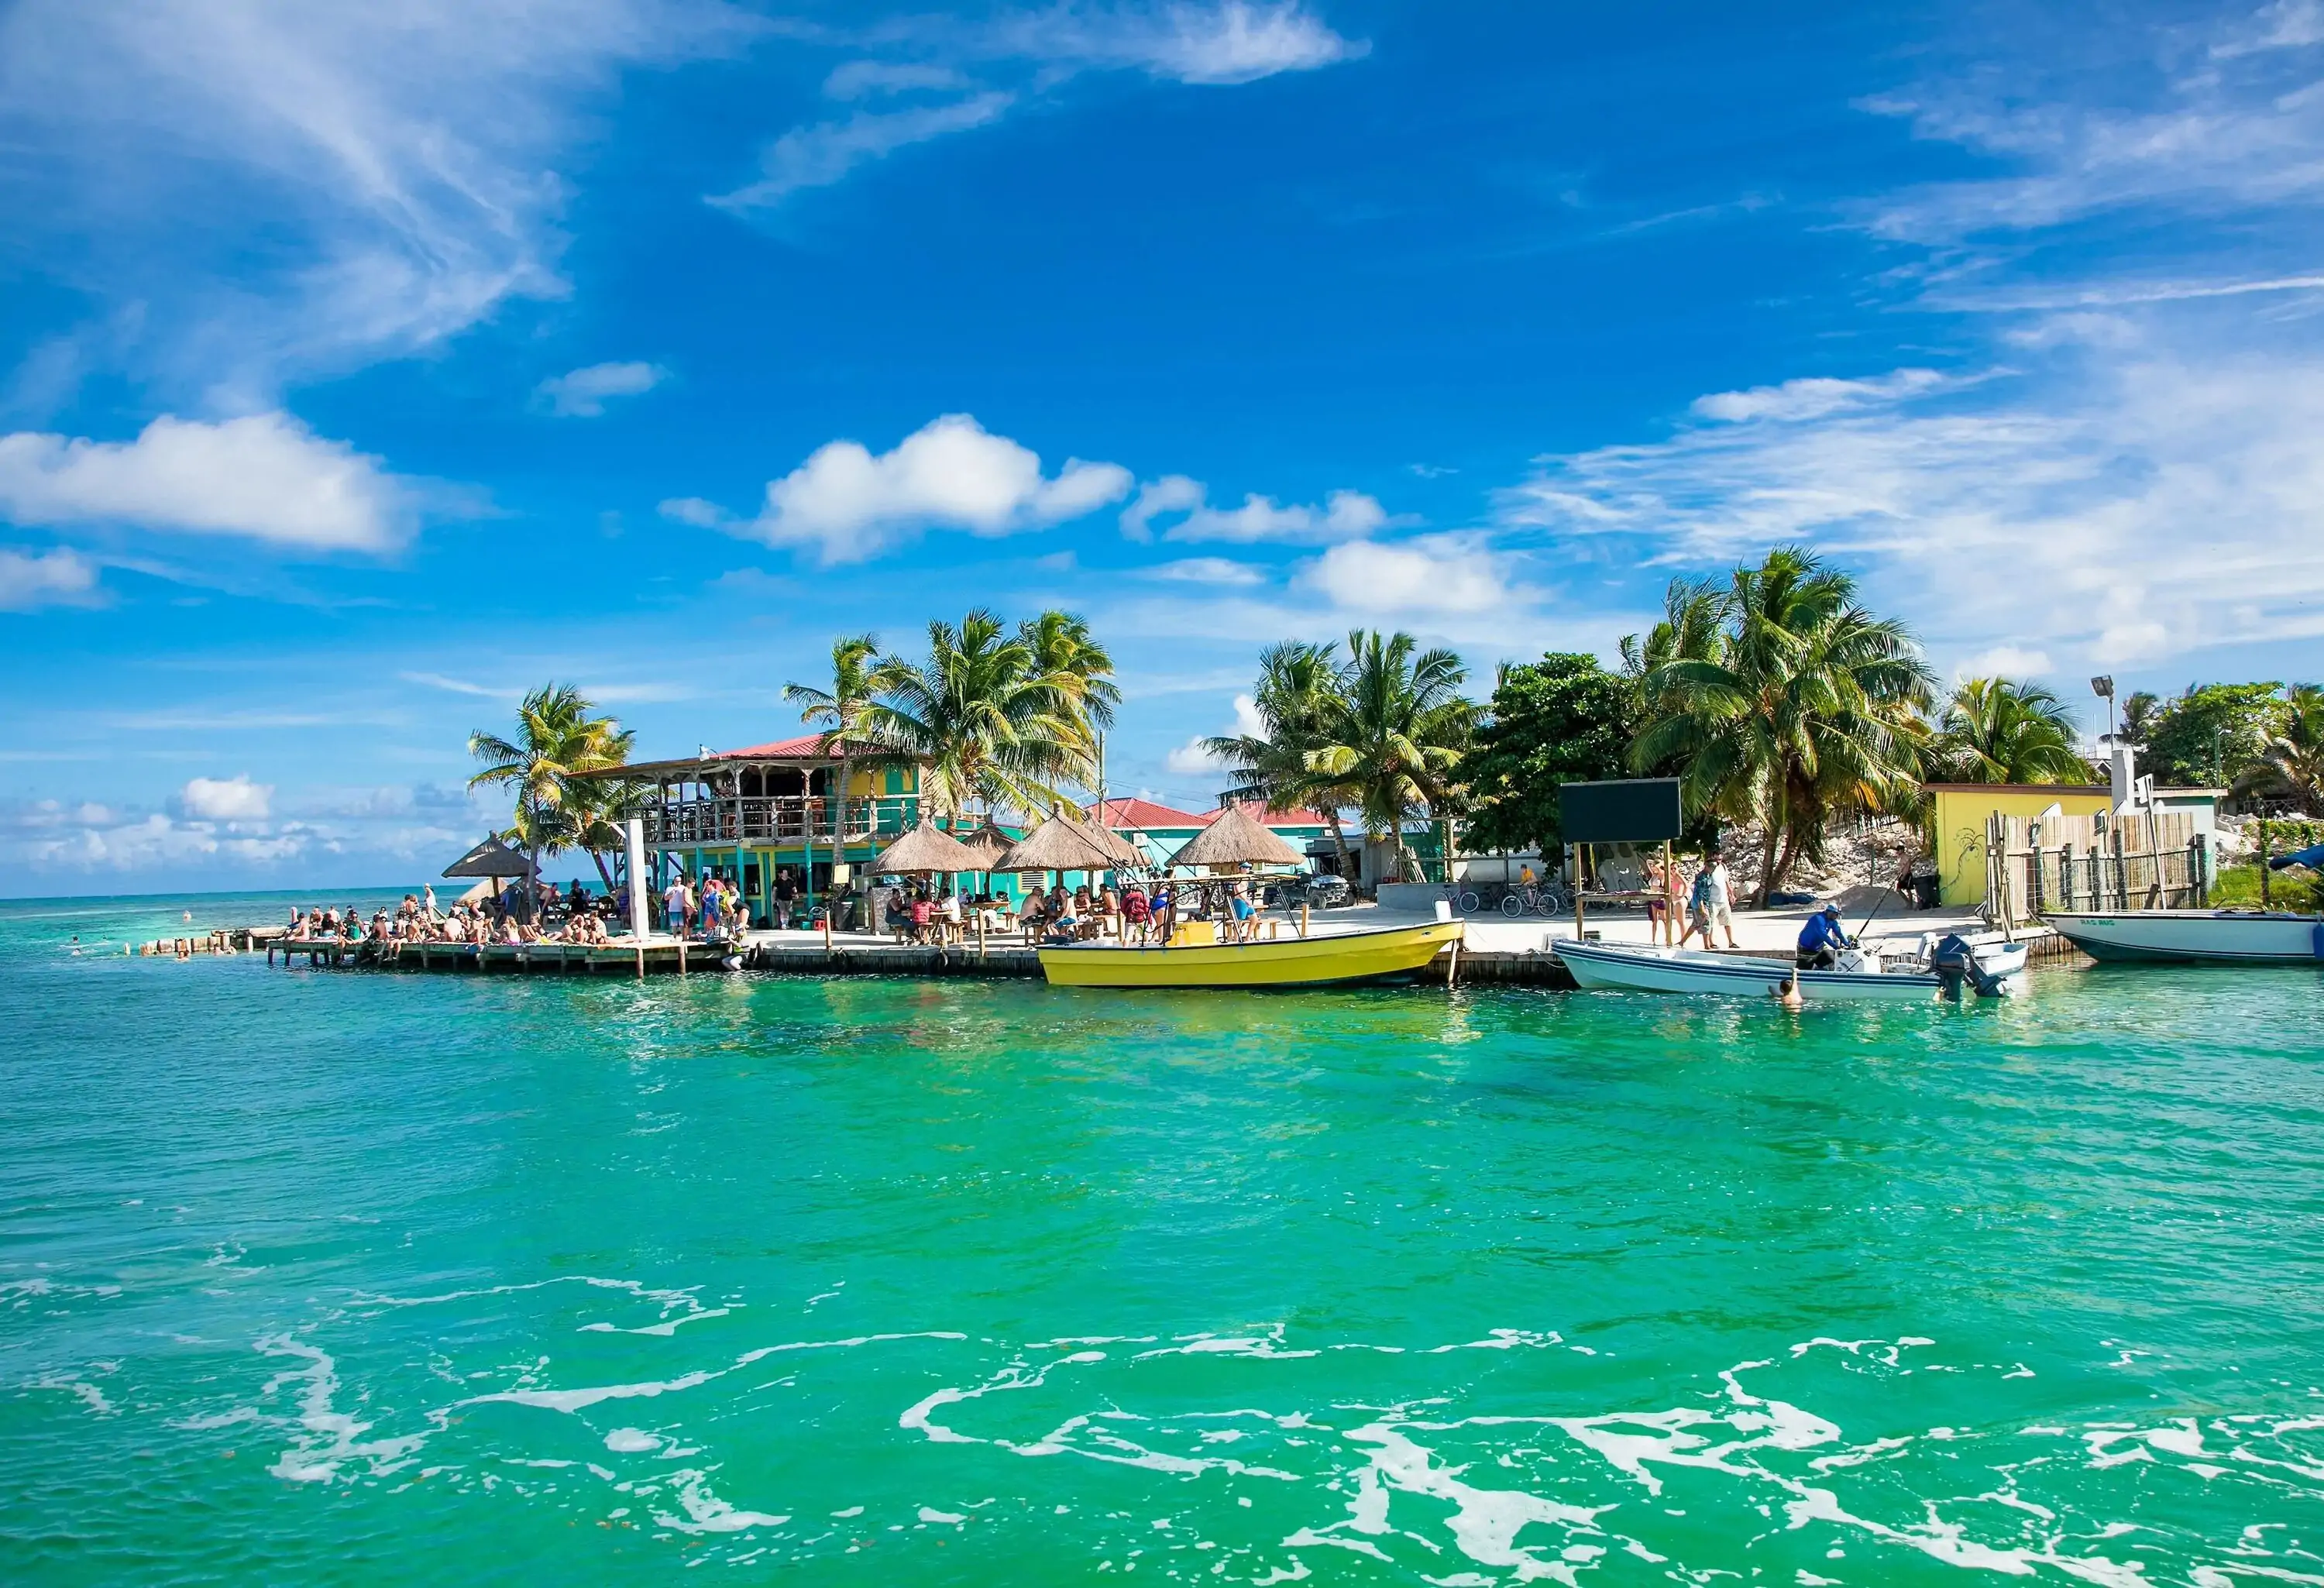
[2194, 936]
[1643, 968]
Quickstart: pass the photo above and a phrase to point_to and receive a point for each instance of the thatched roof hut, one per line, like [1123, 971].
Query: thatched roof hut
[926, 850]
[1233, 838]
[988, 844]
[1059, 843]
[491, 858]
[1124, 851]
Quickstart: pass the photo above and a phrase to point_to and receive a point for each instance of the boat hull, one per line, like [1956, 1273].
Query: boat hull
[1337, 960]
[1683, 970]
[2193, 936]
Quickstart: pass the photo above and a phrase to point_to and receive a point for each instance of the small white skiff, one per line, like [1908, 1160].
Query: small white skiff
[2167, 937]
[1646, 969]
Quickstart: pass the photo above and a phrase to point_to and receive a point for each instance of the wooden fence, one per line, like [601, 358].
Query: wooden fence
[2139, 860]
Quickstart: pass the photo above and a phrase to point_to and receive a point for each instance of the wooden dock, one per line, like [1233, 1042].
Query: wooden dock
[847, 955]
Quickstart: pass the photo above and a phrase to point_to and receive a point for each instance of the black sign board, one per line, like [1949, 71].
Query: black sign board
[1627, 810]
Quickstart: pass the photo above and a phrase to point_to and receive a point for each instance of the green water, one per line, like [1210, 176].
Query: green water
[359, 1277]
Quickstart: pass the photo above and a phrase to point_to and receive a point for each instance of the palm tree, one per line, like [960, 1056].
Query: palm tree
[839, 711]
[1300, 687]
[986, 724]
[1793, 705]
[2140, 712]
[2291, 767]
[1079, 671]
[1395, 732]
[1997, 731]
[558, 741]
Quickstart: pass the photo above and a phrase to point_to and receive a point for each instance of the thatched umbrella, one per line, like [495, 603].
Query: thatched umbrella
[491, 858]
[988, 844]
[1124, 851]
[1233, 838]
[923, 851]
[1059, 843]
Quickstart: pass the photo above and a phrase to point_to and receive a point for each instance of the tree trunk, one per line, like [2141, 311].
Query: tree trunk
[603, 875]
[1767, 859]
[1783, 866]
[1340, 843]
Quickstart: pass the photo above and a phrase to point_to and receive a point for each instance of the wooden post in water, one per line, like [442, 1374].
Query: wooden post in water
[2266, 894]
[1581, 880]
[1303, 918]
[1451, 963]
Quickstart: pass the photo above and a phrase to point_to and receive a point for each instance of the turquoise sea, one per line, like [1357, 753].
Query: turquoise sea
[322, 1278]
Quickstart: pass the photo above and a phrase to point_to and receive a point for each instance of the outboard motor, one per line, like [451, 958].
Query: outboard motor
[1955, 962]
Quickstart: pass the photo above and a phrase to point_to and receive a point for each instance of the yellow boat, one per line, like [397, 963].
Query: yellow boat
[1337, 960]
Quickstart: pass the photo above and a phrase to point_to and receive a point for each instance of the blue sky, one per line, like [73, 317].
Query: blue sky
[361, 366]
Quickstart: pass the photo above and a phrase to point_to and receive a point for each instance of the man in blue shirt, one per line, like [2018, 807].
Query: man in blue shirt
[1821, 939]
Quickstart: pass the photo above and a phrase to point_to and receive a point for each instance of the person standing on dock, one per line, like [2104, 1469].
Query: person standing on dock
[676, 905]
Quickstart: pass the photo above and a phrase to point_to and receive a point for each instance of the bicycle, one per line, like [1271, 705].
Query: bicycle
[1464, 901]
[1547, 901]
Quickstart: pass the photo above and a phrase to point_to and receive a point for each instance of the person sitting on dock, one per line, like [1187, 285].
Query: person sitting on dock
[898, 915]
[924, 915]
[1821, 939]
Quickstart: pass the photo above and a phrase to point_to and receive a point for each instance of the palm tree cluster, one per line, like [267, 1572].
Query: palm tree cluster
[996, 718]
[560, 741]
[1779, 699]
[1382, 730]
[1998, 731]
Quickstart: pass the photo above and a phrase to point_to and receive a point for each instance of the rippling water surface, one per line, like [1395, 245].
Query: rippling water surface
[432, 1279]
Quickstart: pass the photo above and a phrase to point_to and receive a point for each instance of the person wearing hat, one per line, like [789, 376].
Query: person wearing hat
[1821, 939]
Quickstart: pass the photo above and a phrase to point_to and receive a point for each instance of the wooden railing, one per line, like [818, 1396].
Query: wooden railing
[782, 819]
[2141, 860]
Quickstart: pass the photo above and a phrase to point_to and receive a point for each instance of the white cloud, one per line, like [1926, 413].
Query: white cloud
[1192, 759]
[863, 80]
[2005, 662]
[401, 163]
[61, 577]
[1207, 571]
[1172, 493]
[265, 475]
[1344, 515]
[1232, 42]
[1437, 575]
[226, 799]
[1814, 397]
[582, 393]
[694, 511]
[1195, 759]
[819, 155]
[2126, 505]
[1219, 42]
[846, 503]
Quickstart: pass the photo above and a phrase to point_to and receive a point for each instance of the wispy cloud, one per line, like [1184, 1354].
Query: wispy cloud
[2127, 503]
[401, 163]
[58, 578]
[582, 393]
[964, 75]
[1343, 515]
[819, 155]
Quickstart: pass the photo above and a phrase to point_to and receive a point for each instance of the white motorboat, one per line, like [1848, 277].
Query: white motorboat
[1990, 968]
[2178, 937]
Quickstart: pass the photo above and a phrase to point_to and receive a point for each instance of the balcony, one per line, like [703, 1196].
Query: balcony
[776, 821]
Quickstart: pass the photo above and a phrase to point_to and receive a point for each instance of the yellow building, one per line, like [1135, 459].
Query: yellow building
[1961, 812]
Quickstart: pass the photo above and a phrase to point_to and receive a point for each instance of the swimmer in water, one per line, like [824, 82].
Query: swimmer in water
[1787, 993]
